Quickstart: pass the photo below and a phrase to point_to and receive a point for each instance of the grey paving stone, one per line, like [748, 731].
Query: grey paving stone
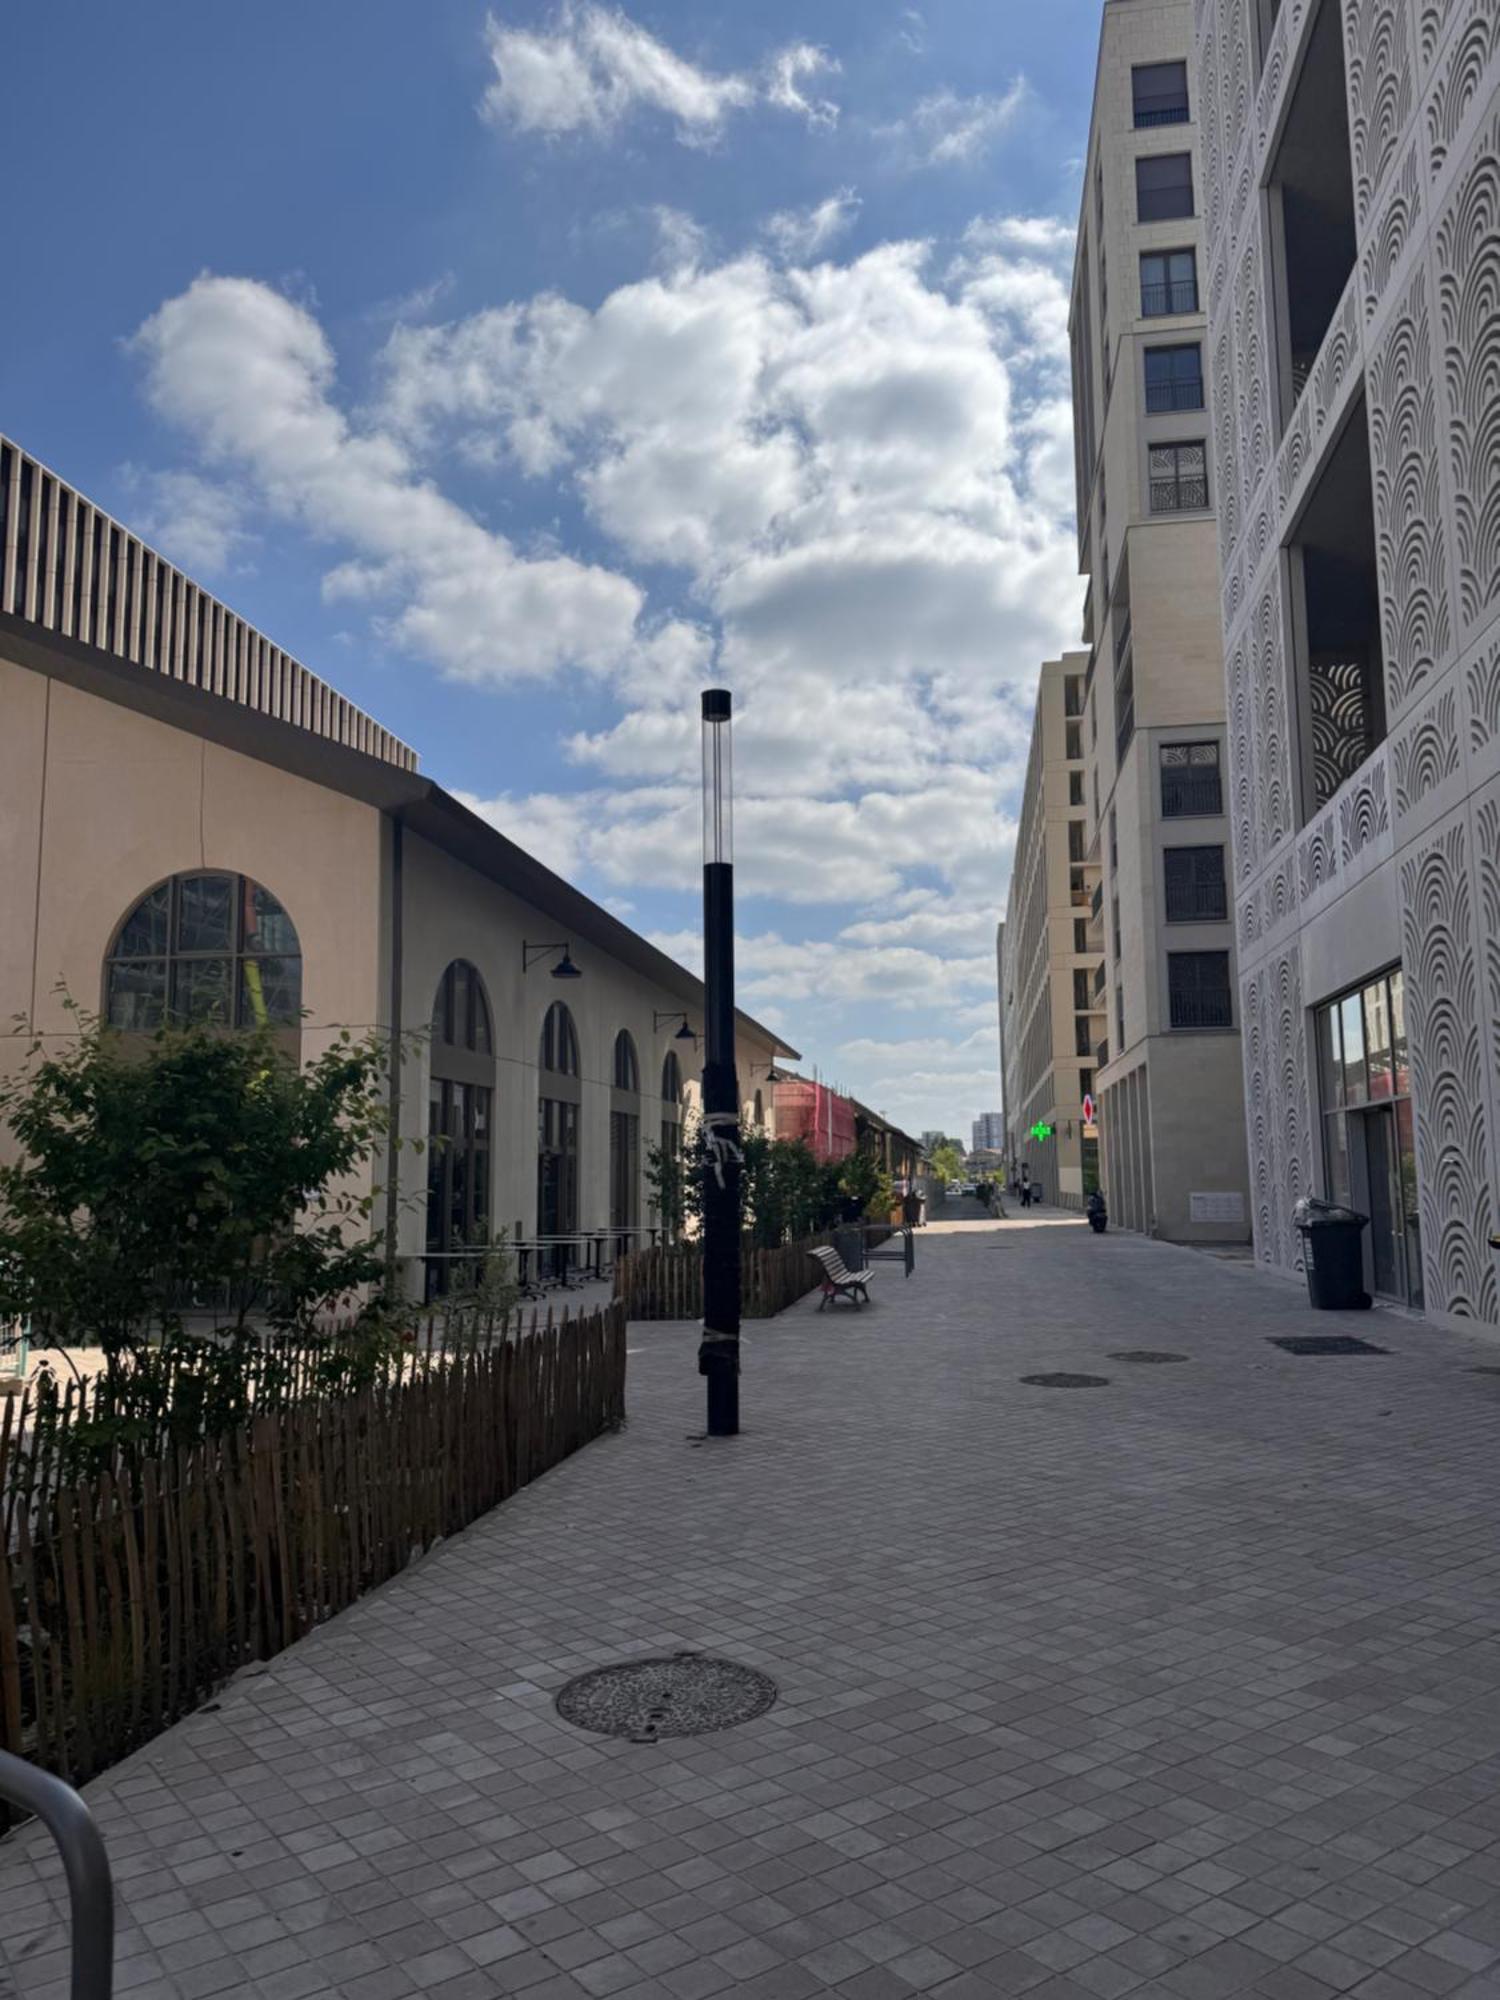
[1187, 1688]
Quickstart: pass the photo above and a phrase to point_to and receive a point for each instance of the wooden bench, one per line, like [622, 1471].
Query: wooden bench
[839, 1281]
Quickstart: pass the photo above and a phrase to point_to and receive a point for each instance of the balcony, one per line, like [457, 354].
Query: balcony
[1197, 902]
[1101, 1054]
[1162, 301]
[1202, 1010]
[1164, 397]
[1096, 902]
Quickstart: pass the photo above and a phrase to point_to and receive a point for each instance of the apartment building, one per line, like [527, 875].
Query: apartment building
[1167, 1065]
[1351, 169]
[1050, 998]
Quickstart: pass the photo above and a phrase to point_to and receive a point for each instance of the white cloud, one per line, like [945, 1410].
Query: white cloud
[594, 66]
[799, 233]
[250, 376]
[945, 130]
[791, 69]
[193, 521]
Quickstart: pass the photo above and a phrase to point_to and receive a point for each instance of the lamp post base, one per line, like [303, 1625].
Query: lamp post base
[719, 1362]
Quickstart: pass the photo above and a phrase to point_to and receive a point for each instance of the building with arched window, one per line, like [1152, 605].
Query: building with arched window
[198, 828]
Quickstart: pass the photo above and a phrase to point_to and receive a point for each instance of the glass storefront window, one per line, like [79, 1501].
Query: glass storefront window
[1378, 1038]
[1337, 1128]
[1353, 1022]
[1407, 1157]
[1330, 1058]
[1400, 1072]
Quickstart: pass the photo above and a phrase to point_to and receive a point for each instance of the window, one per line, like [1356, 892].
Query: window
[627, 1069]
[1080, 934]
[1190, 782]
[1160, 93]
[1080, 990]
[671, 1080]
[1174, 378]
[1085, 1083]
[1073, 742]
[1198, 989]
[1196, 891]
[459, 1123]
[461, 1012]
[205, 948]
[1120, 1019]
[1075, 788]
[559, 1041]
[1075, 840]
[1164, 187]
[1179, 478]
[1169, 283]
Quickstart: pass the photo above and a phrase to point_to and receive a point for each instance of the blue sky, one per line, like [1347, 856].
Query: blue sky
[523, 369]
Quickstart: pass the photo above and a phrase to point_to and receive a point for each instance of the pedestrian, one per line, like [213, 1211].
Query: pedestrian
[1025, 1184]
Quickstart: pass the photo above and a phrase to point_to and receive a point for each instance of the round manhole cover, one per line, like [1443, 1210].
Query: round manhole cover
[1146, 1354]
[685, 1694]
[1067, 1381]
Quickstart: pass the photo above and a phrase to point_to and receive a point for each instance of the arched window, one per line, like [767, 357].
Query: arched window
[671, 1080]
[557, 1142]
[460, 1117]
[559, 1041]
[625, 1144]
[627, 1069]
[760, 1112]
[205, 947]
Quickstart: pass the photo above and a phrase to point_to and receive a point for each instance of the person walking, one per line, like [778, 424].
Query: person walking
[1025, 1184]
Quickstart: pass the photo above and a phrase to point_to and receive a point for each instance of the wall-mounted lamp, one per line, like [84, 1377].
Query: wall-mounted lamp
[564, 969]
[684, 1033]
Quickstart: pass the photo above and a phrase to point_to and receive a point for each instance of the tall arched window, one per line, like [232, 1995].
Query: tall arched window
[625, 1144]
[760, 1112]
[460, 1118]
[557, 1139]
[205, 947]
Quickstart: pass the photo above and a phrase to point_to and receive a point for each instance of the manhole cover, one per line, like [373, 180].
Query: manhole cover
[1145, 1354]
[685, 1694]
[1067, 1381]
[1327, 1343]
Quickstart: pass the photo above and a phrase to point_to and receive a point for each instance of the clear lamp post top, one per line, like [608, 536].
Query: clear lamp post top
[718, 778]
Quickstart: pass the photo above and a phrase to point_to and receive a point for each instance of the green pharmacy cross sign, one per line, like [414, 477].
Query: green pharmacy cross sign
[1042, 1131]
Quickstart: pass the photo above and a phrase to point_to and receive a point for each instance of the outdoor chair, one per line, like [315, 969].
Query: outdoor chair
[840, 1281]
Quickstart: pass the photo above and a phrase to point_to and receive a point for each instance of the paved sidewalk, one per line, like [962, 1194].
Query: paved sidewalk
[1188, 1685]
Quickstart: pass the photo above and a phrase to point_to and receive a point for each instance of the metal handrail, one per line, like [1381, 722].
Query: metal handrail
[90, 1890]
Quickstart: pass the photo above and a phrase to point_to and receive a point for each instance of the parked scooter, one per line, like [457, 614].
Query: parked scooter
[1097, 1213]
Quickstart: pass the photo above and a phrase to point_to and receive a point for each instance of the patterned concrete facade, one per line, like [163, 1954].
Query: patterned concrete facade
[1399, 863]
[1186, 1686]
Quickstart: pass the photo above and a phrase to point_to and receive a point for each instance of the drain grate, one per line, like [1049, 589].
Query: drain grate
[684, 1694]
[1327, 1343]
[1146, 1354]
[1067, 1381]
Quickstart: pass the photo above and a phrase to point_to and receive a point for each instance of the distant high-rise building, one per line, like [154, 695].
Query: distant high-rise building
[1049, 988]
[988, 1132]
[931, 1140]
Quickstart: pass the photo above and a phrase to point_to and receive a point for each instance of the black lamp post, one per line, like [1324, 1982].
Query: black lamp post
[719, 1350]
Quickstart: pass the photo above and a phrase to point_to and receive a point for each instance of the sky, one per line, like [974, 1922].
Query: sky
[525, 369]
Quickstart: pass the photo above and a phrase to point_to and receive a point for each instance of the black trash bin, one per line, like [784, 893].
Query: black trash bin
[849, 1243]
[1334, 1250]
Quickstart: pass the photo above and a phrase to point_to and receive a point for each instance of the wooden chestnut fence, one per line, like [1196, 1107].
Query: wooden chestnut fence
[666, 1281]
[128, 1594]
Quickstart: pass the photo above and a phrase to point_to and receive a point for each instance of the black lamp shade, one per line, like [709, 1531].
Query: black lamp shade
[565, 968]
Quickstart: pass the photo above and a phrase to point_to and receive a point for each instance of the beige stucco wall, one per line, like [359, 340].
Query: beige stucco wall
[101, 804]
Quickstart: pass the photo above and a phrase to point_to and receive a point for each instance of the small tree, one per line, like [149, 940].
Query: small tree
[196, 1169]
[947, 1161]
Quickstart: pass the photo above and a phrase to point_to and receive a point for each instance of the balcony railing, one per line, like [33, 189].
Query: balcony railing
[1161, 301]
[1096, 902]
[1201, 1010]
[1099, 982]
[1178, 496]
[1161, 111]
[1196, 902]
[1162, 397]
[1191, 795]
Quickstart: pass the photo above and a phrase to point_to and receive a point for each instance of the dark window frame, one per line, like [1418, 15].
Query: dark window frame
[1159, 198]
[245, 961]
[1195, 885]
[1187, 796]
[1181, 492]
[1165, 102]
[1182, 388]
[1197, 1004]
